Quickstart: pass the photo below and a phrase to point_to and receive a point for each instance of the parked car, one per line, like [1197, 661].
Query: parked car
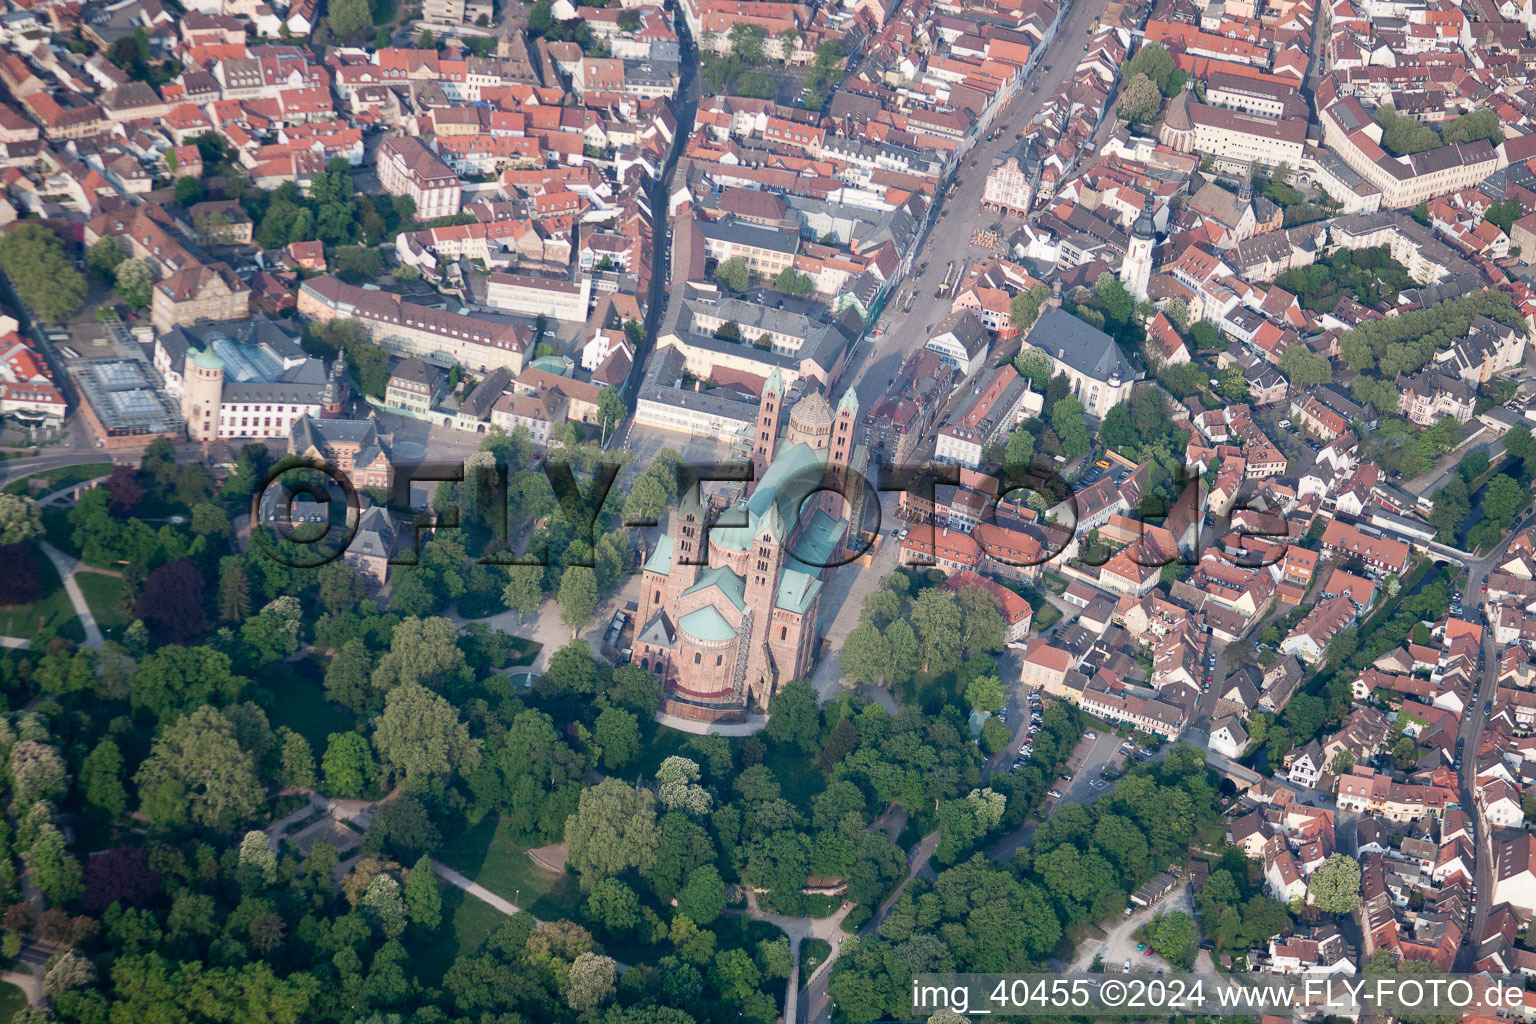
[1054, 792]
[1090, 735]
[1125, 968]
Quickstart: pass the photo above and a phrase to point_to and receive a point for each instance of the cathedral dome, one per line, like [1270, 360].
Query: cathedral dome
[811, 413]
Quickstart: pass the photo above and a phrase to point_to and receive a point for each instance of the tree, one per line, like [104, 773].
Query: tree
[174, 679]
[1175, 936]
[257, 858]
[578, 597]
[171, 603]
[1154, 61]
[1517, 441]
[525, 588]
[611, 410]
[188, 191]
[348, 765]
[612, 831]
[423, 898]
[986, 694]
[419, 736]
[677, 788]
[748, 44]
[702, 898]
[423, 651]
[54, 871]
[103, 257]
[1067, 419]
[34, 259]
[67, 970]
[1140, 102]
[297, 761]
[403, 828]
[350, 17]
[20, 519]
[1020, 450]
[617, 734]
[1335, 886]
[734, 275]
[614, 906]
[865, 656]
[1305, 368]
[791, 282]
[794, 715]
[383, 906]
[197, 771]
[591, 980]
[1177, 312]
[101, 779]
[1024, 308]
[37, 773]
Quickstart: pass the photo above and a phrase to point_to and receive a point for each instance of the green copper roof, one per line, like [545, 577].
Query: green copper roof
[775, 382]
[797, 590]
[796, 468]
[849, 403]
[817, 544]
[661, 559]
[207, 359]
[732, 587]
[707, 624]
[558, 365]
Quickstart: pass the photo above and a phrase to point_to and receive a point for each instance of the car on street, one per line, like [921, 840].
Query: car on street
[1125, 968]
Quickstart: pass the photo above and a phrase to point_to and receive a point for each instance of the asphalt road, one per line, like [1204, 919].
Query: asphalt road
[950, 239]
[1474, 604]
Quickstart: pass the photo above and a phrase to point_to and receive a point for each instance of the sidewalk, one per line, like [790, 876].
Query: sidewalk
[66, 568]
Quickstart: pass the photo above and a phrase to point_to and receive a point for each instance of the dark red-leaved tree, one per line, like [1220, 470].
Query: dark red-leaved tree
[171, 603]
[121, 874]
[123, 490]
[21, 574]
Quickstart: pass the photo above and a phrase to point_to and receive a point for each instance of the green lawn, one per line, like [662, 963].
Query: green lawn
[103, 594]
[12, 999]
[467, 923]
[51, 611]
[491, 856]
[298, 701]
[59, 478]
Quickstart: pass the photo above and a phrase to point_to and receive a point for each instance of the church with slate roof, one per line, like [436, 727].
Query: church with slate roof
[731, 606]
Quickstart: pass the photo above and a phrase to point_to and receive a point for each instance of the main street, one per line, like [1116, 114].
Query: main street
[876, 364]
[1472, 721]
[961, 215]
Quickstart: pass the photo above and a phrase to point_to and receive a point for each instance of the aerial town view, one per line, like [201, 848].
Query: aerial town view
[737, 511]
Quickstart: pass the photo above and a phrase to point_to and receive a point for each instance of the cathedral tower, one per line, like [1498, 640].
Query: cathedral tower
[762, 586]
[767, 424]
[688, 551]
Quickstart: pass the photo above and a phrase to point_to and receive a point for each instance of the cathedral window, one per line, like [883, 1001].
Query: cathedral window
[697, 657]
[783, 632]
